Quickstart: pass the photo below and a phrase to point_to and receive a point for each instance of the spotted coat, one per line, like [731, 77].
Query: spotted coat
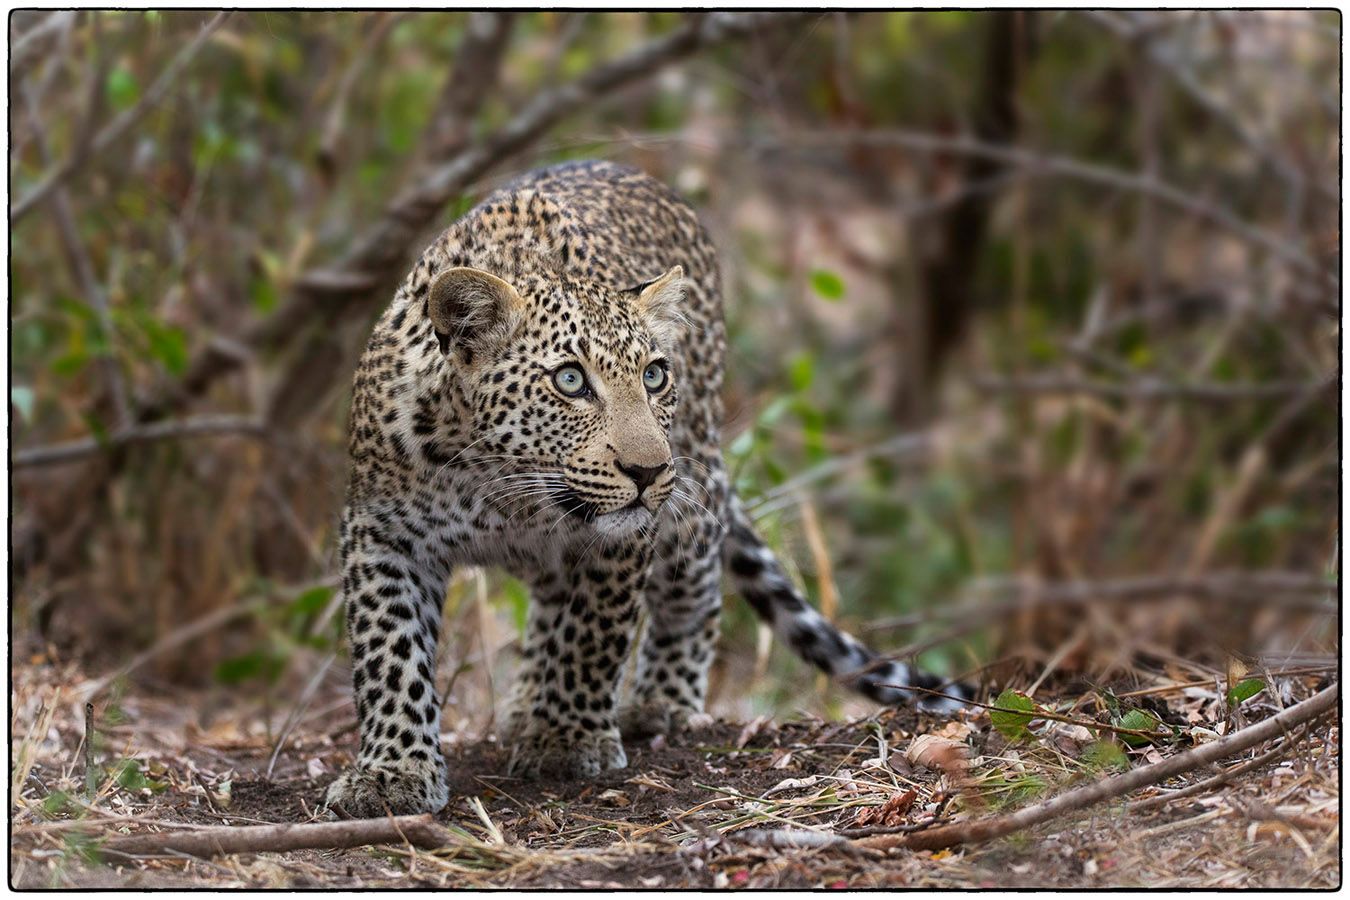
[544, 395]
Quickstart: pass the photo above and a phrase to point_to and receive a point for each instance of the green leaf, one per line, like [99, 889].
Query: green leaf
[311, 601]
[1137, 720]
[1105, 756]
[1245, 690]
[238, 668]
[519, 599]
[802, 371]
[131, 777]
[827, 284]
[123, 91]
[1013, 715]
[262, 292]
[169, 346]
[55, 803]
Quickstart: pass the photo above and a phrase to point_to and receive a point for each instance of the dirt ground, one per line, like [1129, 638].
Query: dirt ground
[685, 813]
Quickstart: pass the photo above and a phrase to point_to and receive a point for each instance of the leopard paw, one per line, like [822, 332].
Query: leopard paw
[655, 717]
[567, 755]
[373, 791]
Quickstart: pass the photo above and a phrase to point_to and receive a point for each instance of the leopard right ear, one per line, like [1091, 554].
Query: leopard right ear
[472, 309]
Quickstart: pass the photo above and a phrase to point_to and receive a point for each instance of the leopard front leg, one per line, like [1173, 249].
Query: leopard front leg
[548, 591]
[582, 633]
[684, 605]
[393, 622]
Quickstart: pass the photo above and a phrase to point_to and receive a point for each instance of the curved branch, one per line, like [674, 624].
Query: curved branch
[986, 829]
[114, 130]
[376, 254]
[202, 426]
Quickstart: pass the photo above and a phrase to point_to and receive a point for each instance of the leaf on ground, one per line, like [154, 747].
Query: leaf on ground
[788, 784]
[1245, 690]
[750, 730]
[1013, 714]
[889, 814]
[1105, 756]
[938, 754]
[1137, 720]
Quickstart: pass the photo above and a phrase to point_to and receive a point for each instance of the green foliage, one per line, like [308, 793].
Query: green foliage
[262, 665]
[130, 777]
[58, 804]
[1005, 790]
[517, 598]
[1105, 756]
[198, 222]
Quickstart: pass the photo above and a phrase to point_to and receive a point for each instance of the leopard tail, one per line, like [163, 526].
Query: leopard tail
[758, 576]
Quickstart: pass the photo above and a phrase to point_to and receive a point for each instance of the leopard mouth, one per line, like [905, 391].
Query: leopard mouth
[578, 507]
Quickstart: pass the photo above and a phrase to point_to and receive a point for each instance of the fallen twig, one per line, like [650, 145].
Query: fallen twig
[986, 829]
[794, 839]
[1223, 777]
[419, 831]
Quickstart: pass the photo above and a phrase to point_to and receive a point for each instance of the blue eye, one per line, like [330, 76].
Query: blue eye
[570, 380]
[655, 377]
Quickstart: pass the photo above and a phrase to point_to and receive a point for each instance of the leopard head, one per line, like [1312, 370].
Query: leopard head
[572, 389]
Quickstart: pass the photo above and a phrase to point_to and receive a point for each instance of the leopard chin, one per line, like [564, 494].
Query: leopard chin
[623, 523]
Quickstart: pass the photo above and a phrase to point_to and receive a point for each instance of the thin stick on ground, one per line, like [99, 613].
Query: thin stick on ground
[90, 778]
[1223, 777]
[987, 829]
[419, 831]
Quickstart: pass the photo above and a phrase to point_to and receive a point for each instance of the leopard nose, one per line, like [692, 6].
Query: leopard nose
[642, 476]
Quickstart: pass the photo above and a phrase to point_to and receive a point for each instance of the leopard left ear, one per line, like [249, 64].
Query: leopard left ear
[662, 303]
[471, 310]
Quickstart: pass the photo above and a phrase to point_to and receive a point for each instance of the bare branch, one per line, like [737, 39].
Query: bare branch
[1035, 163]
[1293, 590]
[82, 265]
[119, 126]
[206, 624]
[477, 69]
[375, 256]
[30, 42]
[901, 446]
[987, 829]
[1207, 100]
[419, 831]
[1151, 388]
[1224, 777]
[336, 120]
[201, 426]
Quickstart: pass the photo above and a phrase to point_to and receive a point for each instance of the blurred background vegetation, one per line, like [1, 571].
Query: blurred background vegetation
[1034, 322]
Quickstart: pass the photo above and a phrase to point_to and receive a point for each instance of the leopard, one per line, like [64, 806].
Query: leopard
[544, 396]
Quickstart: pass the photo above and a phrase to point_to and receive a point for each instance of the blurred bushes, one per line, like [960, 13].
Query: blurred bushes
[1110, 375]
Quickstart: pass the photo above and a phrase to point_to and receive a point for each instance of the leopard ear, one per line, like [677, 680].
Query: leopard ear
[662, 302]
[472, 309]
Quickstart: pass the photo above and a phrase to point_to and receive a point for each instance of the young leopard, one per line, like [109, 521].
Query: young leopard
[544, 395]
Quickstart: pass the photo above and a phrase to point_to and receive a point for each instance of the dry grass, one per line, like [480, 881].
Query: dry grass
[723, 807]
